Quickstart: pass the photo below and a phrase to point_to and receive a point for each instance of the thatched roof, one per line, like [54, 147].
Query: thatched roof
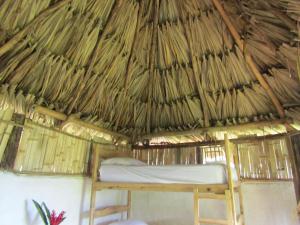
[138, 67]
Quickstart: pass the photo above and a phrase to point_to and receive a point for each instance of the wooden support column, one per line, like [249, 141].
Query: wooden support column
[294, 158]
[11, 150]
[128, 204]
[196, 207]
[230, 193]
[95, 166]
[248, 58]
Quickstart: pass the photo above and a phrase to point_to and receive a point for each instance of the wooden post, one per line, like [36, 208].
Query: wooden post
[12, 147]
[196, 207]
[230, 195]
[229, 207]
[292, 158]
[128, 204]
[95, 166]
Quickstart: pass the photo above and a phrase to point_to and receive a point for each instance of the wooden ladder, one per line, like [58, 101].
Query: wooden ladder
[228, 196]
[105, 211]
[231, 217]
[96, 213]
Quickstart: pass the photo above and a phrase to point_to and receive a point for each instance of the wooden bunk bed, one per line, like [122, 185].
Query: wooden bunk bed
[222, 191]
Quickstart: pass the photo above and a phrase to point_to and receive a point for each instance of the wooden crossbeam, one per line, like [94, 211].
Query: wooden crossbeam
[245, 126]
[110, 210]
[72, 119]
[248, 58]
[213, 221]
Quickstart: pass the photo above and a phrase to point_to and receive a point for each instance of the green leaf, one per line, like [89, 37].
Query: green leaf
[40, 211]
[47, 210]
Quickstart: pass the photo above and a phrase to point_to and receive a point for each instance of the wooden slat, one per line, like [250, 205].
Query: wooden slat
[213, 221]
[110, 210]
[213, 188]
[211, 196]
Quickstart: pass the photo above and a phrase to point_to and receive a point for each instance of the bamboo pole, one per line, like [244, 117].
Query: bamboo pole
[248, 58]
[15, 39]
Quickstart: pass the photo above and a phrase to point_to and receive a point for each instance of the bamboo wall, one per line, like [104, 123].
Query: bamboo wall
[258, 159]
[47, 151]
[185, 155]
[265, 159]
[5, 129]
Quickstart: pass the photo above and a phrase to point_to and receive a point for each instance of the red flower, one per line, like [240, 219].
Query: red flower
[56, 220]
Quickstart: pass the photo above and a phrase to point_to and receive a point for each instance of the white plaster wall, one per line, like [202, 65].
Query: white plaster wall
[71, 194]
[265, 204]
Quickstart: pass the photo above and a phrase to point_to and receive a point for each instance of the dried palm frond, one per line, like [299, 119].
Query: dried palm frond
[286, 88]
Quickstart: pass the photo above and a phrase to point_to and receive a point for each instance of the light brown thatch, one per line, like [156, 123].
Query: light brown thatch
[145, 66]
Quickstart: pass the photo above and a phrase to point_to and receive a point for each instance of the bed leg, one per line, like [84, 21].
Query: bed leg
[128, 204]
[196, 207]
[241, 217]
[92, 206]
[229, 208]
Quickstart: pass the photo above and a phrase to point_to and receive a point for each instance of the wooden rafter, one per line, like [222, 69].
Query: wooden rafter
[152, 60]
[71, 119]
[248, 58]
[99, 45]
[253, 125]
[23, 32]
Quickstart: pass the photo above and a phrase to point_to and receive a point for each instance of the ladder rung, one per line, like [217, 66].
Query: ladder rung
[110, 210]
[210, 196]
[213, 221]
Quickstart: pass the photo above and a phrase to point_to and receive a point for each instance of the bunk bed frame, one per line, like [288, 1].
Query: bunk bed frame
[224, 192]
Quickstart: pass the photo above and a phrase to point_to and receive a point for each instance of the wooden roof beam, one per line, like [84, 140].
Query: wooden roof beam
[253, 125]
[71, 119]
[248, 58]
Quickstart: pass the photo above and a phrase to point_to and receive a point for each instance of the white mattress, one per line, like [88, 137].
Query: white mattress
[187, 174]
[129, 222]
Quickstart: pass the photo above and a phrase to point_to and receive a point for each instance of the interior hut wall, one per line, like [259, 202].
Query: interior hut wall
[50, 167]
[72, 193]
[265, 159]
[260, 159]
[264, 204]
